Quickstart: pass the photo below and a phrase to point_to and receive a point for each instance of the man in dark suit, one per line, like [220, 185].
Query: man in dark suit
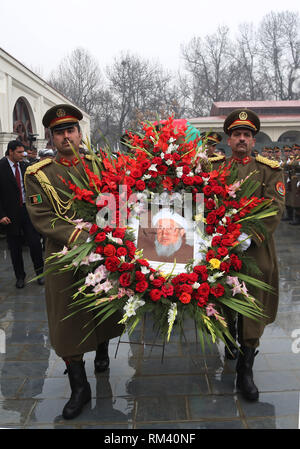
[14, 217]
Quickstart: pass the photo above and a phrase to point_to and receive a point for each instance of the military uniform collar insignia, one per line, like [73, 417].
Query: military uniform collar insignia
[243, 161]
[68, 163]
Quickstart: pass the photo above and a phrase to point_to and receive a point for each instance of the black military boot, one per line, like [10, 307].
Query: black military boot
[81, 390]
[101, 362]
[296, 220]
[231, 351]
[288, 216]
[245, 375]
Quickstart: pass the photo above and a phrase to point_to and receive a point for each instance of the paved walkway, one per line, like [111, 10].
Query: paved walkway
[188, 390]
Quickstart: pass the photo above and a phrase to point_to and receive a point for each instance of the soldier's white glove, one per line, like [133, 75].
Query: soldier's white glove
[246, 241]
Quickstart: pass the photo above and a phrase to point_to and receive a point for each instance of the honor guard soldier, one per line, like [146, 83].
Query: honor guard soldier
[241, 126]
[46, 202]
[295, 186]
[210, 140]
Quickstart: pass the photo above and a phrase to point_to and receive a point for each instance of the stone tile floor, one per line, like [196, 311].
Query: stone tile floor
[189, 390]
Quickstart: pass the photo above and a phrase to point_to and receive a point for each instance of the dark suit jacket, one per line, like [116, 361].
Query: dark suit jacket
[9, 196]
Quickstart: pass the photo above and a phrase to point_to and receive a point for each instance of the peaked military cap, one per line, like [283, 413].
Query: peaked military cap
[61, 116]
[242, 118]
[212, 138]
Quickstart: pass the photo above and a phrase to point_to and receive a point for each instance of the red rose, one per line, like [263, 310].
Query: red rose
[125, 280]
[217, 291]
[198, 180]
[99, 250]
[129, 181]
[119, 233]
[162, 169]
[221, 211]
[140, 185]
[145, 164]
[167, 290]
[210, 204]
[207, 190]
[109, 250]
[188, 180]
[121, 251]
[185, 298]
[112, 263]
[221, 230]
[202, 301]
[210, 255]
[94, 229]
[100, 237]
[222, 251]
[136, 173]
[152, 185]
[139, 276]
[225, 267]
[216, 241]
[209, 229]
[155, 294]
[186, 288]
[141, 286]
[126, 266]
[143, 262]
[201, 269]
[217, 190]
[204, 289]
[158, 282]
[193, 277]
[211, 218]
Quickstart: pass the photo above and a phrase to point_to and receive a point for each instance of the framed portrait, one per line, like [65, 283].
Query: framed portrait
[166, 238]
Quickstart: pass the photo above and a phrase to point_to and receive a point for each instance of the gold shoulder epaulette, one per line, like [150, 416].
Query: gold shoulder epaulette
[266, 161]
[216, 158]
[32, 169]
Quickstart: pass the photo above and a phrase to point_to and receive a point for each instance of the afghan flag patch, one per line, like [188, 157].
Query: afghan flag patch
[36, 199]
[280, 187]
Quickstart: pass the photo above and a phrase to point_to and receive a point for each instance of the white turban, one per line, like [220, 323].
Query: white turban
[168, 213]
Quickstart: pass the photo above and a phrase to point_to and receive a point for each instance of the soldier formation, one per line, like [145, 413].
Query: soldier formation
[289, 160]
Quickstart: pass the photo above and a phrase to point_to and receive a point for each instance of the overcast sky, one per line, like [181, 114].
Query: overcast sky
[40, 34]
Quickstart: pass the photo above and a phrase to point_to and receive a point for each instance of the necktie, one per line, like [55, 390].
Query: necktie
[18, 179]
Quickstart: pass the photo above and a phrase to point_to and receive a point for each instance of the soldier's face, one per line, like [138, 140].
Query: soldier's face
[64, 138]
[241, 142]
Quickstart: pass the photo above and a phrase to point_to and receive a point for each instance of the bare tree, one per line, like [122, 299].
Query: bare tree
[279, 54]
[140, 90]
[211, 68]
[78, 77]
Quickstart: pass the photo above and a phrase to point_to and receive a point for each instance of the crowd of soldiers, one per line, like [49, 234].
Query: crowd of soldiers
[289, 159]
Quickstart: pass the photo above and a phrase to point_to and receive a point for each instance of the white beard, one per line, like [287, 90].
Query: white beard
[167, 250]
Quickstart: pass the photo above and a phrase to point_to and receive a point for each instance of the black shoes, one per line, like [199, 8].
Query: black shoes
[20, 283]
[41, 281]
[245, 381]
[81, 390]
[101, 362]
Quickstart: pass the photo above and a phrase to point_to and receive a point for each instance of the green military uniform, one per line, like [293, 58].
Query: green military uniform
[295, 189]
[271, 186]
[44, 200]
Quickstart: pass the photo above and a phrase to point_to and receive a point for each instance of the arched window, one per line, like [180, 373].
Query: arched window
[21, 122]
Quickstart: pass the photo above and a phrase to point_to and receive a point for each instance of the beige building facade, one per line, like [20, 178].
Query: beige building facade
[24, 99]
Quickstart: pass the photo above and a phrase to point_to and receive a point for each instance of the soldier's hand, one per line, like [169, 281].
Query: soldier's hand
[5, 220]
